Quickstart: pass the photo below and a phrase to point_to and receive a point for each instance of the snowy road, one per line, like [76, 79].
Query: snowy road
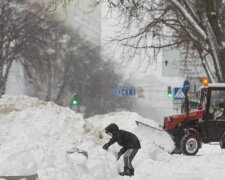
[208, 164]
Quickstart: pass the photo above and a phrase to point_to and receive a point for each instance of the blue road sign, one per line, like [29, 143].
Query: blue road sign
[124, 91]
[117, 91]
[128, 92]
[178, 93]
[186, 86]
[132, 92]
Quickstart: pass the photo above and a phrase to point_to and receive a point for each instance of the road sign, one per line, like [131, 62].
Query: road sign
[178, 93]
[124, 91]
[140, 92]
[117, 91]
[128, 92]
[186, 86]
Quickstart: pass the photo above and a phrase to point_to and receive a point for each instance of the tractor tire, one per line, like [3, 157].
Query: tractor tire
[222, 142]
[190, 144]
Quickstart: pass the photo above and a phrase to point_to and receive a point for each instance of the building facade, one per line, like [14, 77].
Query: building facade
[86, 18]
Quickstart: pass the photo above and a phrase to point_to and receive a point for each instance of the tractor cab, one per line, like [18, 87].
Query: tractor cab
[212, 102]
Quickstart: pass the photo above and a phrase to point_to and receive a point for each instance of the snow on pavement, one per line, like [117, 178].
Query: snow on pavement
[35, 137]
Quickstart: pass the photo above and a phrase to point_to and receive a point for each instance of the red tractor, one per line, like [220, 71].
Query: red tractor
[204, 125]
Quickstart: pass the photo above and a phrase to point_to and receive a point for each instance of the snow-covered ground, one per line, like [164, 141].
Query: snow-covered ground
[35, 137]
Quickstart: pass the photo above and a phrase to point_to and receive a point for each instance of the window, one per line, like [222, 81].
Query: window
[216, 107]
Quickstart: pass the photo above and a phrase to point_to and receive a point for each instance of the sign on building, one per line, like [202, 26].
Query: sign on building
[170, 62]
[175, 62]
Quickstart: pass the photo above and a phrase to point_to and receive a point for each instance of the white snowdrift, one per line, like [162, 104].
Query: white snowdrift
[35, 137]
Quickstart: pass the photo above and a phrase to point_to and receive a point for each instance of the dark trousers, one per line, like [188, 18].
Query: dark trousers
[128, 157]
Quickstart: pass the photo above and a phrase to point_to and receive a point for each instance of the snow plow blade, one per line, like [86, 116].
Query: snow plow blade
[147, 125]
[158, 144]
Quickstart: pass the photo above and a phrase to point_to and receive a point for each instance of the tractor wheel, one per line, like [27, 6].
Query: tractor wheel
[190, 144]
[222, 142]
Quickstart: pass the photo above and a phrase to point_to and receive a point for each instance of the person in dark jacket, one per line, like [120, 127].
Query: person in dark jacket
[130, 146]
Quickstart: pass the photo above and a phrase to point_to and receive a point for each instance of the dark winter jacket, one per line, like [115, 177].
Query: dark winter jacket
[125, 139]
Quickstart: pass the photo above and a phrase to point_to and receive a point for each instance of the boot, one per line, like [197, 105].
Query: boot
[131, 172]
[127, 172]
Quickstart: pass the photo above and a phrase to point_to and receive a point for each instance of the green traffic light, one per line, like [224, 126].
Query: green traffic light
[74, 102]
[169, 92]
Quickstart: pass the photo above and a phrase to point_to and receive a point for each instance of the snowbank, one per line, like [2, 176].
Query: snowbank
[36, 136]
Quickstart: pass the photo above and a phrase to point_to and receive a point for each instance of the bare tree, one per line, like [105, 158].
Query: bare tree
[195, 25]
[48, 78]
[69, 65]
[94, 79]
[22, 31]
[57, 61]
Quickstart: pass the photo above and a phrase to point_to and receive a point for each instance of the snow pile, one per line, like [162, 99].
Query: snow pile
[20, 102]
[17, 103]
[36, 137]
[148, 137]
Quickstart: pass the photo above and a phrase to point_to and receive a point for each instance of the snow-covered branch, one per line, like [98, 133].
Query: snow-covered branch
[189, 19]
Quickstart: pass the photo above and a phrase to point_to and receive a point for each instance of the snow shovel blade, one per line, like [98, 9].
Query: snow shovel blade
[147, 125]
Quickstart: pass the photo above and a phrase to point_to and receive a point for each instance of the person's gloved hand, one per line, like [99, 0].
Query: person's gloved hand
[118, 156]
[105, 147]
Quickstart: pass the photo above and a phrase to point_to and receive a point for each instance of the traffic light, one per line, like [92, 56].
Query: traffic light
[169, 91]
[74, 100]
[205, 82]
